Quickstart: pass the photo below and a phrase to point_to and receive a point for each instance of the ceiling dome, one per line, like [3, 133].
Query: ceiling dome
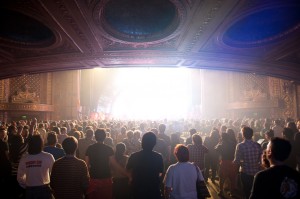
[22, 29]
[139, 20]
[263, 27]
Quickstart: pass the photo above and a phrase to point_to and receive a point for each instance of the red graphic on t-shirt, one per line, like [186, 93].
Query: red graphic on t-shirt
[33, 163]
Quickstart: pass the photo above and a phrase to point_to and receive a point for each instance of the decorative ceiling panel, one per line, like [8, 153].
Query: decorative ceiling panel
[260, 36]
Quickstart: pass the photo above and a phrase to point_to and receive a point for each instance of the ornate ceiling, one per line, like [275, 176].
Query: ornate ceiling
[258, 36]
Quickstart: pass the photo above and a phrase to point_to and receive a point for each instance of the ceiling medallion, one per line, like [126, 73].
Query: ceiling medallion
[23, 31]
[263, 27]
[140, 20]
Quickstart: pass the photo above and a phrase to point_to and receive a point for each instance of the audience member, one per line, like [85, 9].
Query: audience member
[5, 167]
[212, 158]
[226, 149]
[34, 170]
[69, 176]
[146, 167]
[278, 181]
[120, 181]
[197, 152]
[99, 158]
[247, 157]
[84, 143]
[288, 134]
[180, 179]
[51, 146]
[189, 140]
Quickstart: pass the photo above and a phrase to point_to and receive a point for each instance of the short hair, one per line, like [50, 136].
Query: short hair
[123, 129]
[89, 133]
[155, 131]
[247, 132]
[270, 133]
[197, 139]
[35, 144]
[70, 145]
[223, 128]
[41, 125]
[100, 135]
[161, 128]
[120, 148]
[280, 148]
[288, 133]
[56, 129]
[148, 141]
[192, 131]
[129, 134]
[181, 152]
[51, 138]
[63, 129]
[278, 122]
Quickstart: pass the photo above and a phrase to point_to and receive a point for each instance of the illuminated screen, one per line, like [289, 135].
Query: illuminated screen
[151, 93]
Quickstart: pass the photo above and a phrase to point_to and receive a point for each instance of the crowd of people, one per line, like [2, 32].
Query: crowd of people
[114, 159]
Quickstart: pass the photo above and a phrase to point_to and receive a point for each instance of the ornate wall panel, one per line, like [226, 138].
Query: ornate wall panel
[32, 81]
[256, 95]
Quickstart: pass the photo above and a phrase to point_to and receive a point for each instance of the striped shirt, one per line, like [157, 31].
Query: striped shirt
[248, 156]
[69, 178]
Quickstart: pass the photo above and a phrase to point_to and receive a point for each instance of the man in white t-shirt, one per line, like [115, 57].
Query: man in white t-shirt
[34, 170]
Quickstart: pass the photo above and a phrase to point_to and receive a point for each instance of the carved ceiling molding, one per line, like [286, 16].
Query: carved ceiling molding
[64, 46]
[67, 15]
[110, 42]
[204, 24]
[167, 45]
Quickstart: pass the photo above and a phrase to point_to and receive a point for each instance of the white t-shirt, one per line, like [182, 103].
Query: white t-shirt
[182, 177]
[34, 170]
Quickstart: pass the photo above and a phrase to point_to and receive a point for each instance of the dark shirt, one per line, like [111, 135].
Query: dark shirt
[226, 150]
[99, 154]
[162, 148]
[56, 152]
[4, 161]
[276, 182]
[145, 167]
[166, 138]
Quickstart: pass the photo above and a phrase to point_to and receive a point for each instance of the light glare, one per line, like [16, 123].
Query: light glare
[155, 93]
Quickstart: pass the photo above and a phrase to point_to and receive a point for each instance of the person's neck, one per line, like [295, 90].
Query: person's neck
[275, 163]
[70, 155]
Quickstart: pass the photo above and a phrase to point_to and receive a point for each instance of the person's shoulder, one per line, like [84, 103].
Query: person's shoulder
[80, 161]
[190, 146]
[157, 154]
[172, 166]
[134, 156]
[92, 146]
[256, 144]
[291, 170]
[264, 172]
[46, 154]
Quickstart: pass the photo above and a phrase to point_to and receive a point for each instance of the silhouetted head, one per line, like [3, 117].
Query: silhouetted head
[148, 141]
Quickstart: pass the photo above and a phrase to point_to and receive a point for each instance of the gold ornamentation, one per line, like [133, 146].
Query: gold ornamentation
[23, 95]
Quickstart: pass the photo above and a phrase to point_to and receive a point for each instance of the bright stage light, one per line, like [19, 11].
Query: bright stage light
[152, 93]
